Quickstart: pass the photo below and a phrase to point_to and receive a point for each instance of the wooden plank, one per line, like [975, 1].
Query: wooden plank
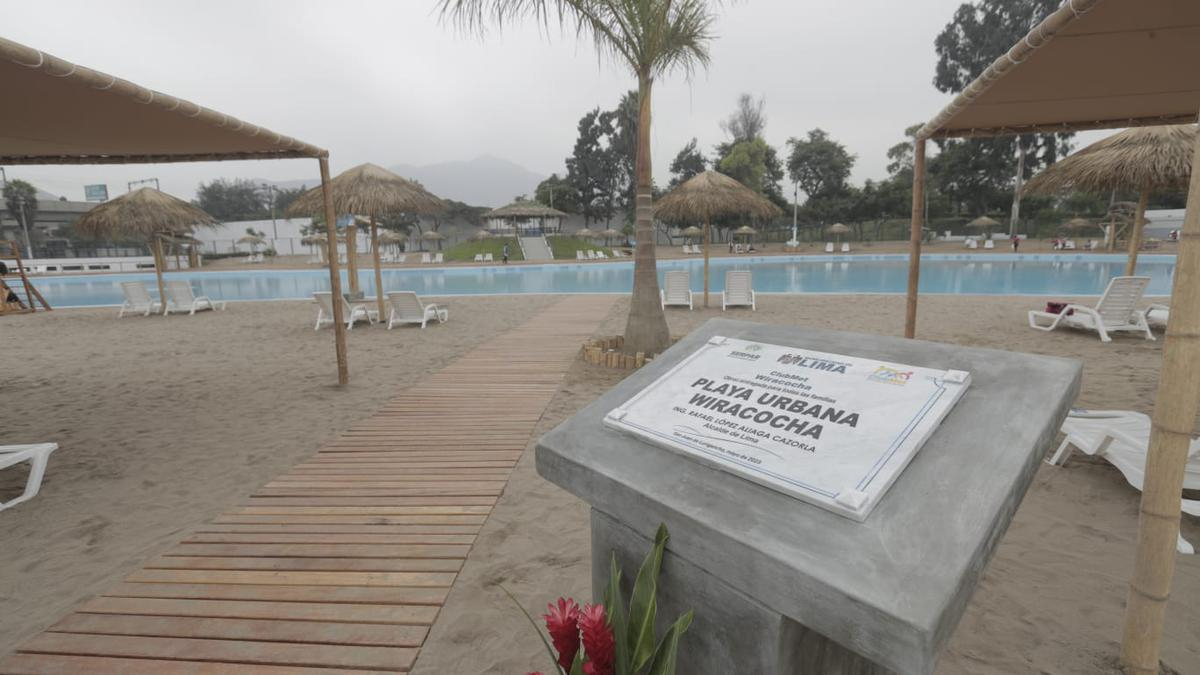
[323, 550]
[424, 579]
[224, 651]
[367, 510]
[57, 664]
[328, 564]
[242, 538]
[313, 528]
[368, 519]
[312, 632]
[319, 594]
[421, 615]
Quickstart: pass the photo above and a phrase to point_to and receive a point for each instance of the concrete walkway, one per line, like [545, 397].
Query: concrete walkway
[342, 563]
[536, 248]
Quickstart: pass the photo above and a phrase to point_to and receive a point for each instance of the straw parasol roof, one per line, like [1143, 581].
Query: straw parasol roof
[584, 233]
[712, 195]
[838, 228]
[746, 230]
[145, 212]
[1143, 157]
[524, 208]
[480, 235]
[1079, 224]
[369, 189]
[252, 239]
[432, 235]
[610, 233]
[390, 237]
[983, 222]
[692, 231]
[313, 239]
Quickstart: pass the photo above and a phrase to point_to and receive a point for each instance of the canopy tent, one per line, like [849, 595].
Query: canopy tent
[1098, 64]
[70, 114]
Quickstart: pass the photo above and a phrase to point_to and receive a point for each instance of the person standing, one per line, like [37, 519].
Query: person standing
[504, 253]
[1016, 243]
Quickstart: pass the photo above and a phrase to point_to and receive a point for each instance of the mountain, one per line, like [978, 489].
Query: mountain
[483, 181]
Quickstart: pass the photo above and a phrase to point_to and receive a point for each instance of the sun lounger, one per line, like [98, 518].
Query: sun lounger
[1116, 311]
[1121, 438]
[988, 243]
[591, 255]
[846, 247]
[739, 291]
[439, 258]
[487, 257]
[180, 298]
[137, 300]
[407, 307]
[601, 255]
[972, 244]
[580, 256]
[401, 258]
[1069, 245]
[676, 290]
[351, 313]
[829, 247]
[426, 259]
[1158, 315]
[478, 257]
[37, 455]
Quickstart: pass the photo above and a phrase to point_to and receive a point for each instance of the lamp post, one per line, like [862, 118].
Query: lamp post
[24, 226]
[795, 212]
[271, 197]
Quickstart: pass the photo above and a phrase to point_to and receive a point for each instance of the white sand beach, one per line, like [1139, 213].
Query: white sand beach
[164, 422]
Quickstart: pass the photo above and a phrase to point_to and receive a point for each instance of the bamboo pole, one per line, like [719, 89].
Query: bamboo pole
[378, 267]
[1135, 237]
[707, 237]
[160, 261]
[335, 277]
[914, 244]
[1175, 407]
[352, 256]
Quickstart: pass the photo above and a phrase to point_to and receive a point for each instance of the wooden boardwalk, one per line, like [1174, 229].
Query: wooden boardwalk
[341, 564]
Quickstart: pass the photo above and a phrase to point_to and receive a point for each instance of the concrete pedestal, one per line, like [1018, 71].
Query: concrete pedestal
[780, 586]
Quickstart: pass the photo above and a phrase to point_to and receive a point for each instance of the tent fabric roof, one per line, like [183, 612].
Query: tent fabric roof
[62, 113]
[1091, 64]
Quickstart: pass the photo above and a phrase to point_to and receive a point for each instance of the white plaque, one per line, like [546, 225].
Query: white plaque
[831, 429]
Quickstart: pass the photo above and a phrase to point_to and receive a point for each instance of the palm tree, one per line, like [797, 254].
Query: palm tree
[653, 38]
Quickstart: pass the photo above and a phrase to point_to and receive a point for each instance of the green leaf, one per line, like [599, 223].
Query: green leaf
[577, 666]
[666, 654]
[536, 629]
[614, 608]
[643, 605]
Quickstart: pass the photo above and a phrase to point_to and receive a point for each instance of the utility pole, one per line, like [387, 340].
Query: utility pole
[3, 178]
[271, 197]
[795, 212]
[24, 225]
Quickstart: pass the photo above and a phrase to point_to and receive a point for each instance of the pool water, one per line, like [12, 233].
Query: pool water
[990, 274]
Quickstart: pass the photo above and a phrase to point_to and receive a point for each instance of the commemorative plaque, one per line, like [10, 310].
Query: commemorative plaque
[830, 429]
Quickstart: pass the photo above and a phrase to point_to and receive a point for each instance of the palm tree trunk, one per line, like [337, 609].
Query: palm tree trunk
[646, 330]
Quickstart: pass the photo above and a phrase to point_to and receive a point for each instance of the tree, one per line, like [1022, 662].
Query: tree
[754, 162]
[747, 122]
[589, 168]
[285, 196]
[623, 146]
[236, 199]
[688, 163]
[746, 162]
[20, 199]
[652, 38]
[819, 164]
[558, 193]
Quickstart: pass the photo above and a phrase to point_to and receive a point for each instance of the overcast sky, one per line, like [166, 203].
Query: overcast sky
[385, 81]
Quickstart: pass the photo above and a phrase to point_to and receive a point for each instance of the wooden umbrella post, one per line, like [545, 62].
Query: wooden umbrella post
[160, 261]
[1135, 236]
[352, 256]
[335, 277]
[914, 244]
[707, 237]
[378, 267]
[1175, 407]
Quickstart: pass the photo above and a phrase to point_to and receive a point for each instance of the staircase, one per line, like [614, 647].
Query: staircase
[536, 248]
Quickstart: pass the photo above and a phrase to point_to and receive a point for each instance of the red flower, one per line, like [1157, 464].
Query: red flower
[597, 640]
[563, 625]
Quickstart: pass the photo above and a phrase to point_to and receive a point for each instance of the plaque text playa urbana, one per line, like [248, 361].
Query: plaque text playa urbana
[831, 429]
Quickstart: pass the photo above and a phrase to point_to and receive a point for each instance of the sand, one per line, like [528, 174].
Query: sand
[1051, 601]
[164, 422]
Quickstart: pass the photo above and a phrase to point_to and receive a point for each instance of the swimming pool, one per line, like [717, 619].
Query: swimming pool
[989, 274]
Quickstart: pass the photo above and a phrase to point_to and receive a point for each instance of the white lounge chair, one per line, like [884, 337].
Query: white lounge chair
[180, 298]
[845, 247]
[676, 290]
[601, 255]
[1158, 315]
[1116, 311]
[439, 258]
[407, 307]
[1069, 245]
[478, 257]
[137, 300]
[591, 255]
[580, 256]
[487, 257]
[988, 243]
[426, 259]
[401, 258]
[829, 247]
[739, 291]
[351, 313]
[737, 248]
[37, 455]
[972, 243]
[1121, 438]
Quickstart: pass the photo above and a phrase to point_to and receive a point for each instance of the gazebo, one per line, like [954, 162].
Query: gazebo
[130, 124]
[524, 217]
[1107, 64]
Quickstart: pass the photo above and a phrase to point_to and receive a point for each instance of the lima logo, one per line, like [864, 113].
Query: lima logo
[890, 376]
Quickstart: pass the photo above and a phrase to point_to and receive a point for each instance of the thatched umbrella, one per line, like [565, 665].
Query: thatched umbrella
[373, 191]
[1142, 158]
[148, 213]
[691, 232]
[838, 229]
[584, 233]
[608, 235]
[710, 195]
[984, 223]
[432, 235]
[252, 240]
[481, 235]
[317, 241]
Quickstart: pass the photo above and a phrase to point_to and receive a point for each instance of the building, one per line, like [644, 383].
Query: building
[53, 215]
[524, 218]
